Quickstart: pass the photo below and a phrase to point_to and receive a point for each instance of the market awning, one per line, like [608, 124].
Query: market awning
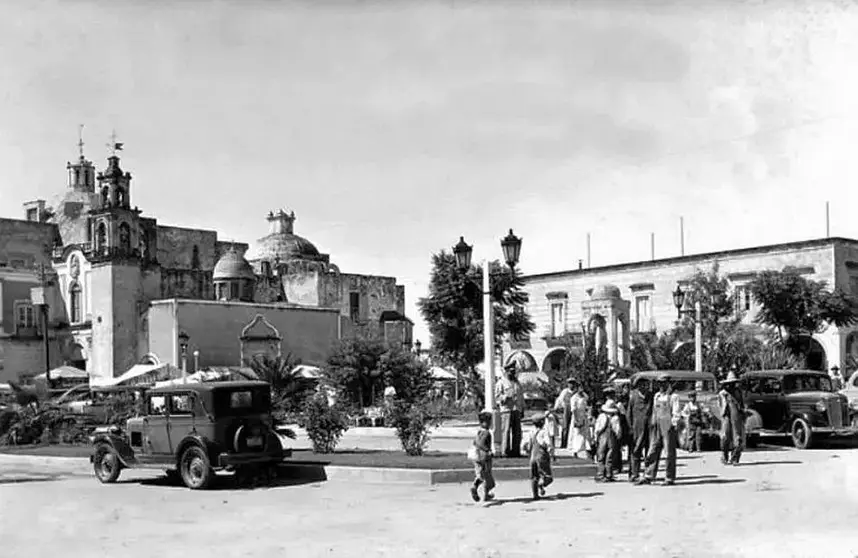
[307, 371]
[141, 374]
[439, 373]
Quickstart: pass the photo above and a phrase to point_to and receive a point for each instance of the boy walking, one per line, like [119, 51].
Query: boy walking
[608, 431]
[481, 454]
[693, 415]
[540, 444]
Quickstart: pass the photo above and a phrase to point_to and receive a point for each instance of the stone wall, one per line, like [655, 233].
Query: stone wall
[186, 283]
[26, 244]
[215, 327]
[21, 359]
[657, 280]
[176, 247]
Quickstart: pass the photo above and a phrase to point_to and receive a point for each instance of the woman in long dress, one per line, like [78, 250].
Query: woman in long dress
[579, 431]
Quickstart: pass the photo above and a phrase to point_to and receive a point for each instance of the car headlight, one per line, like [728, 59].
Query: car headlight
[820, 406]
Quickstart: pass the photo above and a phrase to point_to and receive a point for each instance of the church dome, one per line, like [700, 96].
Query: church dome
[281, 243]
[232, 266]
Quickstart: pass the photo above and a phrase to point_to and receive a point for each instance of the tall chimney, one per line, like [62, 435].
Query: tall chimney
[580, 265]
[588, 251]
[827, 221]
[652, 245]
[682, 236]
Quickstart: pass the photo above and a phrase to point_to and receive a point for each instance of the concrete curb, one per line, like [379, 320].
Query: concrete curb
[370, 475]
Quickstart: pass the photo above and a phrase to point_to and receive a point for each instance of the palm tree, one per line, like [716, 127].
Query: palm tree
[289, 388]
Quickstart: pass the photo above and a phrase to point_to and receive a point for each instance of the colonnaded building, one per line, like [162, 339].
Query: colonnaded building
[123, 289]
[611, 302]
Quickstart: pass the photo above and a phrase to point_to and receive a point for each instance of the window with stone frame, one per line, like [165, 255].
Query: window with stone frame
[125, 238]
[558, 319]
[742, 298]
[354, 307]
[643, 313]
[75, 303]
[25, 315]
[853, 284]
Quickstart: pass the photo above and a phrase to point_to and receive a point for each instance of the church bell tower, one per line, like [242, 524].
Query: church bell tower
[116, 275]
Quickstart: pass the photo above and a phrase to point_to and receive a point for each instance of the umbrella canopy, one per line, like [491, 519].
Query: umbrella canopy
[439, 373]
[65, 373]
[307, 371]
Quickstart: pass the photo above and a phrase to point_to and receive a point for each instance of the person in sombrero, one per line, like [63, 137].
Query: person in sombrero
[732, 410]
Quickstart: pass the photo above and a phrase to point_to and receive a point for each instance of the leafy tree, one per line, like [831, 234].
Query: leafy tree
[407, 374]
[354, 370]
[289, 389]
[453, 311]
[796, 306]
[717, 303]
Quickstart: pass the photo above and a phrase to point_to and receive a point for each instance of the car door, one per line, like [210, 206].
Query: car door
[771, 405]
[156, 435]
[181, 418]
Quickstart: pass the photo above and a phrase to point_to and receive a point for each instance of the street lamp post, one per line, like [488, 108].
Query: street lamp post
[679, 301]
[196, 361]
[183, 344]
[511, 246]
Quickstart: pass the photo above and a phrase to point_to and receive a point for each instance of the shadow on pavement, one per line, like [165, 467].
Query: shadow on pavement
[21, 480]
[548, 498]
[756, 463]
[221, 482]
[684, 482]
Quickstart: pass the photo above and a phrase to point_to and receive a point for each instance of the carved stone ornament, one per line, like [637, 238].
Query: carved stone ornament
[74, 267]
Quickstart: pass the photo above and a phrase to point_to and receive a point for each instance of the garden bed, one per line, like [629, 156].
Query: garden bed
[400, 460]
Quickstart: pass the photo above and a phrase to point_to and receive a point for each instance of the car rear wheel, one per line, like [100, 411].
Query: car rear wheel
[106, 464]
[196, 469]
[802, 435]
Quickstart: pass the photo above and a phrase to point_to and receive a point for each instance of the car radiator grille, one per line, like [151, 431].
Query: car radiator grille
[835, 414]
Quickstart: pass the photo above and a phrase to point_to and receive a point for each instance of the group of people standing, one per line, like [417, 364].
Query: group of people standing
[633, 420]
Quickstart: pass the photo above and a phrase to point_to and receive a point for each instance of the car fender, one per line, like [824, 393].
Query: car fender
[805, 416]
[754, 421]
[197, 440]
[119, 445]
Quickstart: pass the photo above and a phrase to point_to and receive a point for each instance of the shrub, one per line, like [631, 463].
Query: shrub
[325, 424]
[412, 422]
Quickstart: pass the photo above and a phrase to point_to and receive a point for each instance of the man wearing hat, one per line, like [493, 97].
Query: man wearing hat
[663, 426]
[638, 414]
[836, 378]
[563, 405]
[732, 410]
[510, 398]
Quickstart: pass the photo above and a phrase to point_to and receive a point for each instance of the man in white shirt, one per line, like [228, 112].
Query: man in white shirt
[510, 399]
[563, 404]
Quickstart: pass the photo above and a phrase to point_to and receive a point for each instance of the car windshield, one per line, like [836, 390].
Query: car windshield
[807, 383]
[692, 385]
[242, 401]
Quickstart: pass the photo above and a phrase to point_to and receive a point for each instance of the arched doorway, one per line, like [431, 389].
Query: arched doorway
[813, 352]
[554, 360]
[151, 359]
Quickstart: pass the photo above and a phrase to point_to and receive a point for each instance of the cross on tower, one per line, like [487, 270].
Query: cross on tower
[114, 145]
[80, 139]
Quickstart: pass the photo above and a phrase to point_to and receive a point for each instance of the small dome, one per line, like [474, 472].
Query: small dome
[232, 266]
[284, 247]
[605, 292]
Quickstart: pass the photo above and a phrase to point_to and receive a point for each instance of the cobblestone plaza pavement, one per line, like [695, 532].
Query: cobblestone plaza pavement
[780, 502]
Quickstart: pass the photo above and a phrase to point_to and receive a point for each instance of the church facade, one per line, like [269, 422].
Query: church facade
[107, 263]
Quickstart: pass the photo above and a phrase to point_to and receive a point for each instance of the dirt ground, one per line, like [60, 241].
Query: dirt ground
[780, 502]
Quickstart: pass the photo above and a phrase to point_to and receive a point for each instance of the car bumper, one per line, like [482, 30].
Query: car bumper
[238, 459]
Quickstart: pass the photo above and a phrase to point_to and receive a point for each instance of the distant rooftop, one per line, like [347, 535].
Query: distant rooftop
[816, 243]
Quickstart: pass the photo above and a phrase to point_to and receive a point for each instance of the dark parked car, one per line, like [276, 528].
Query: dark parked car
[193, 429]
[801, 404]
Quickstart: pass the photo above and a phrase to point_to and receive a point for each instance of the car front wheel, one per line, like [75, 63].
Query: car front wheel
[195, 468]
[106, 464]
[802, 435]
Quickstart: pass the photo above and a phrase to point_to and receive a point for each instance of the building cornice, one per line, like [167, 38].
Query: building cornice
[279, 306]
[695, 258]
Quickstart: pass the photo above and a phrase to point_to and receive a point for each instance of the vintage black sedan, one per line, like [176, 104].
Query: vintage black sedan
[192, 430]
[801, 404]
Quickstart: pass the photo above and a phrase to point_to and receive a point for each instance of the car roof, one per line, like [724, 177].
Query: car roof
[676, 374]
[209, 386]
[762, 373]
